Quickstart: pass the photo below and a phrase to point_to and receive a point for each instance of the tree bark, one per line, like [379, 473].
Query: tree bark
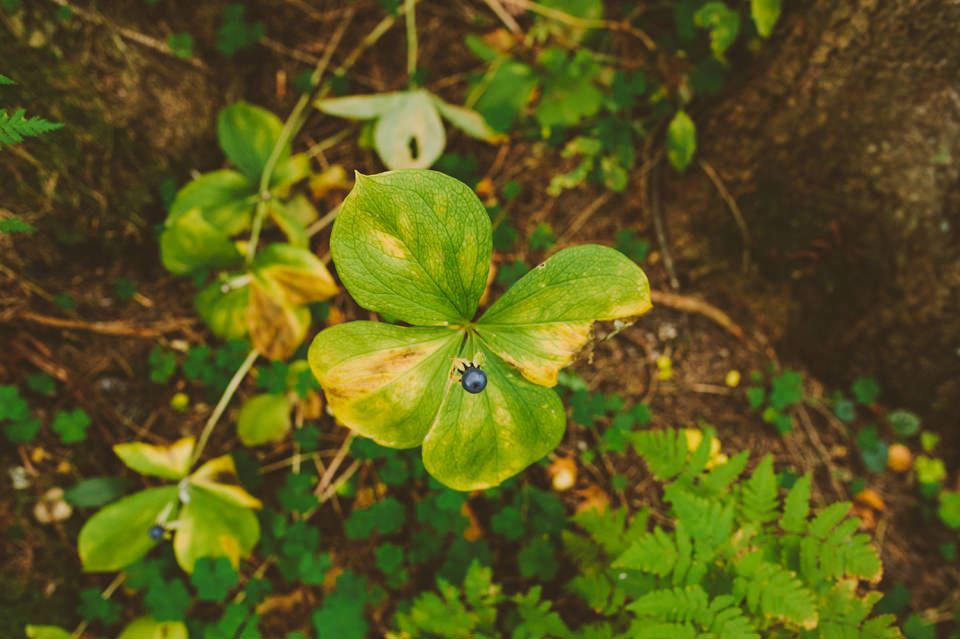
[842, 151]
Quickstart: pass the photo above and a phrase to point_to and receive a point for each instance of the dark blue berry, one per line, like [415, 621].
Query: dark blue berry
[156, 532]
[473, 380]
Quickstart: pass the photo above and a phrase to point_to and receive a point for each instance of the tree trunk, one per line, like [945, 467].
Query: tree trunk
[842, 151]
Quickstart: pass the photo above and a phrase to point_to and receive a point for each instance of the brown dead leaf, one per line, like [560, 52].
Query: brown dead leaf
[592, 497]
[473, 531]
[868, 497]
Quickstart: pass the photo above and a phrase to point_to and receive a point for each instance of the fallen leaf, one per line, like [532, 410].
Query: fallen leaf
[869, 497]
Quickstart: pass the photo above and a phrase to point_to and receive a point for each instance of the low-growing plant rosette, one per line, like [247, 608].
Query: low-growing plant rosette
[415, 245]
[207, 513]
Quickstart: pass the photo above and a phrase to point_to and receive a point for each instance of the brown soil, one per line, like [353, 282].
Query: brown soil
[136, 115]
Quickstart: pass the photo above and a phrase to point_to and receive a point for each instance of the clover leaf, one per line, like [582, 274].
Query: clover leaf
[416, 245]
[408, 133]
[213, 578]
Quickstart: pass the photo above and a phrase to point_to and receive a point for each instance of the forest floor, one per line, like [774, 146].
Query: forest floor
[139, 115]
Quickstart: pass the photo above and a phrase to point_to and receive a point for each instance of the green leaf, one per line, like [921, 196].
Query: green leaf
[189, 242]
[724, 25]
[786, 390]
[467, 120]
[12, 225]
[382, 380]
[14, 128]
[873, 450]
[865, 390]
[237, 32]
[225, 198]
[414, 245]
[147, 627]
[479, 440]
[545, 319]
[504, 93]
[47, 632]
[12, 406]
[96, 491]
[681, 141]
[796, 506]
[210, 526]
[385, 516]
[117, 535]
[219, 477]
[949, 509]
[71, 425]
[765, 14]
[181, 44]
[213, 578]
[168, 600]
[263, 419]
[296, 494]
[5, 80]
[169, 462]
[760, 493]
[905, 423]
[224, 312]
[542, 237]
[94, 607]
[22, 430]
[247, 134]
[536, 559]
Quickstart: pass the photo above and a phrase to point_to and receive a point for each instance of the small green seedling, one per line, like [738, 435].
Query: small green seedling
[416, 245]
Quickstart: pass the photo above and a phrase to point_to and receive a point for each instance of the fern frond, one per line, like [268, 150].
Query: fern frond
[605, 528]
[14, 128]
[697, 461]
[664, 450]
[709, 522]
[15, 225]
[844, 614]
[722, 618]
[774, 592]
[718, 480]
[833, 550]
[594, 588]
[759, 499]
[829, 517]
[796, 506]
[673, 604]
[5, 80]
[654, 552]
[662, 630]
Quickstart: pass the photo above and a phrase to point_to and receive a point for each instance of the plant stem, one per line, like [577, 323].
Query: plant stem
[294, 121]
[106, 594]
[222, 405]
[411, 40]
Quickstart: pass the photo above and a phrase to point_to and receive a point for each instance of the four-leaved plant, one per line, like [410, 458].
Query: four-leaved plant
[207, 512]
[415, 245]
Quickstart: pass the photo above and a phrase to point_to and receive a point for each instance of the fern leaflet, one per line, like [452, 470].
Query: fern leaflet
[14, 128]
[760, 494]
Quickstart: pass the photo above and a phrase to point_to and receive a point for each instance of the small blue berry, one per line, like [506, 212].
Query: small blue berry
[473, 380]
[156, 532]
